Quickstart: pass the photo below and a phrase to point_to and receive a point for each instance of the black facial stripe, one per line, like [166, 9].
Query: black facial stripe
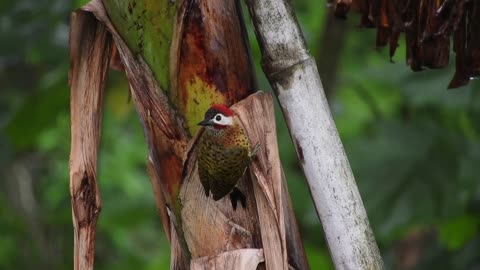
[210, 114]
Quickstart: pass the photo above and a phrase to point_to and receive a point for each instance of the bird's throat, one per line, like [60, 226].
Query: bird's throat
[219, 127]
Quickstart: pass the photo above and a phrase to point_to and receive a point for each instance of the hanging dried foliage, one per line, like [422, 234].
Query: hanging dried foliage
[428, 26]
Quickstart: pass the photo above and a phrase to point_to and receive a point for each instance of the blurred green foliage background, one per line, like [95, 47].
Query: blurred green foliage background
[414, 148]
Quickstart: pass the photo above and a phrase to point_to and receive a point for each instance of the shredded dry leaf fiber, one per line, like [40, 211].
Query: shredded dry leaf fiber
[429, 26]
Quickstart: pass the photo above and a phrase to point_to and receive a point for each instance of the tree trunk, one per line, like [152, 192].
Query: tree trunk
[89, 58]
[294, 77]
[180, 57]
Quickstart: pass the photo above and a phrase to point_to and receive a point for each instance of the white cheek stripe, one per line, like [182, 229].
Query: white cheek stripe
[226, 121]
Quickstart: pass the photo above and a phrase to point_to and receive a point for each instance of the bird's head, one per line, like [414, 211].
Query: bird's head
[217, 117]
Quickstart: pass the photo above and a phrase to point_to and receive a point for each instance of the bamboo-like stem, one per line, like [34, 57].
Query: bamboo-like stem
[294, 77]
[90, 45]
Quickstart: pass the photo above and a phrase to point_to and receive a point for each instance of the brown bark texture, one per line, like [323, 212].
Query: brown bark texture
[429, 26]
[89, 61]
[209, 63]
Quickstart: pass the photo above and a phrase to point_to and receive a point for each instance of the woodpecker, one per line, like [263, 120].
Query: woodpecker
[224, 154]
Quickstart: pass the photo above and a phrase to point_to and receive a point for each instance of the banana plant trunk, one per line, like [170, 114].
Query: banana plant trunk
[179, 58]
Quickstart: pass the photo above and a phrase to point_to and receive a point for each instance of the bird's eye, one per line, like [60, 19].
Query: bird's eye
[218, 118]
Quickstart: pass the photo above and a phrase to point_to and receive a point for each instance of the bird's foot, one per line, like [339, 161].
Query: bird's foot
[237, 195]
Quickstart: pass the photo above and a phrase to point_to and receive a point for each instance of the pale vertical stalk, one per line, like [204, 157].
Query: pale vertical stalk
[294, 77]
[90, 45]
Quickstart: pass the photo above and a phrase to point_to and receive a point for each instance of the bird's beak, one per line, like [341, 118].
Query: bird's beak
[206, 123]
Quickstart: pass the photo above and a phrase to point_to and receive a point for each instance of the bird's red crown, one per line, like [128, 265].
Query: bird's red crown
[222, 109]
